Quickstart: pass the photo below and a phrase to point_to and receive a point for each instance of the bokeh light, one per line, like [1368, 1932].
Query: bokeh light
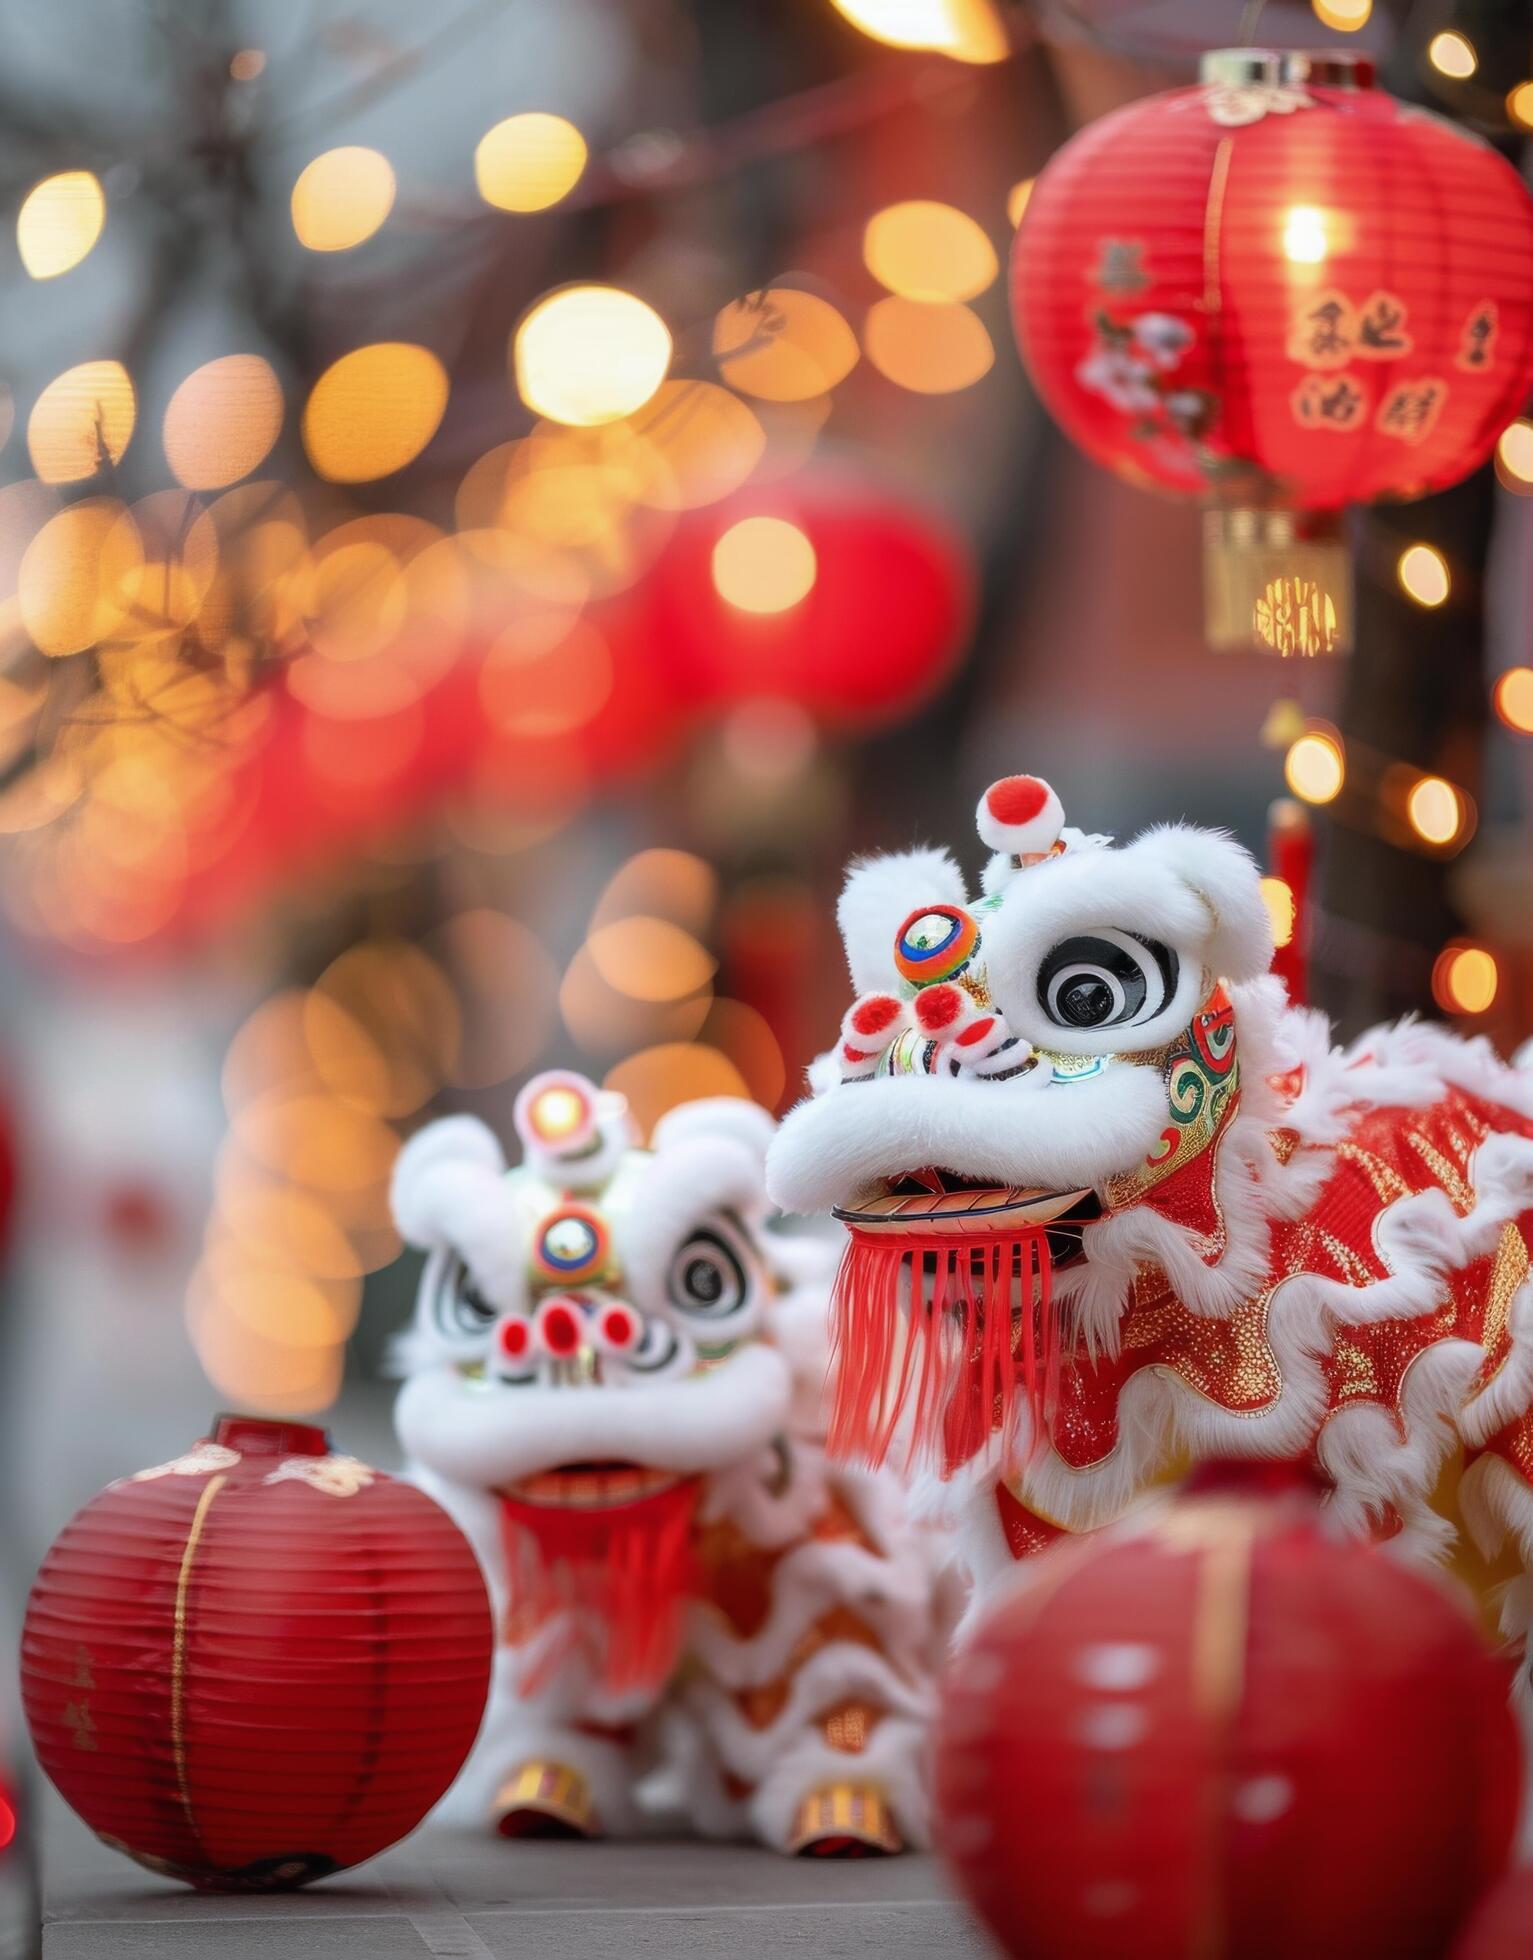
[373, 411]
[81, 421]
[529, 162]
[783, 345]
[968, 30]
[1513, 698]
[1345, 16]
[650, 959]
[764, 565]
[663, 884]
[1519, 105]
[1016, 200]
[1423, 574]
[505, 986]
[342, 198]
[1514, 456]
[1434, 810]
[59, 221]
[1453, 54]
[1465, 979]
[929, 251]
[589, 354]
[222, 420]
[1315, 767]
[1277, 896]
[247, 64]
[1306, 238]
[931, 350]
[671, 1073]
[70, 587]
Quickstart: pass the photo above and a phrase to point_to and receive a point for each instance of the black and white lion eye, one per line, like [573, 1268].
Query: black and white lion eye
[460, 1309]
[708, 1278]
[1106, 979]
[656, 1351]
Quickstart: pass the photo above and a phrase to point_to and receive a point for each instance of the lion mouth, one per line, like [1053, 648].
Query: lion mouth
[592, 1486]
[937, 1202]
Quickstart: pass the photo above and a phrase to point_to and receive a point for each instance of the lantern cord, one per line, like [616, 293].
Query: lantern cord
[1250, 15]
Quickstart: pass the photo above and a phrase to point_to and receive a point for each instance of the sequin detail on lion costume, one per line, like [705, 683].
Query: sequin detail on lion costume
[1112, 1201]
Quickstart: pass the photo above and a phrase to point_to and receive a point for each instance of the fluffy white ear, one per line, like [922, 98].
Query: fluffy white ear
[1225, 876]
[879, 896]
[433, 1167]
[744, 1122]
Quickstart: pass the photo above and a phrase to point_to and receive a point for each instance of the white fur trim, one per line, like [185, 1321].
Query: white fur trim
[489, 1438]
[712, 1117]
[429, 1169]
[1027, 1131]
[879, 896]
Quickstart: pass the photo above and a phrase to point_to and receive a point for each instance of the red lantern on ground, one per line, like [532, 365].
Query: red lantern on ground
[257, 1664]
[1285, 292]
[1218, 1731]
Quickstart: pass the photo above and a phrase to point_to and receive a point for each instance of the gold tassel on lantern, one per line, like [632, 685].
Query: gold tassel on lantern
[1276, 581]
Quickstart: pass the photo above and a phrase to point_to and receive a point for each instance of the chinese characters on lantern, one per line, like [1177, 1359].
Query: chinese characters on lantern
[1328, 333]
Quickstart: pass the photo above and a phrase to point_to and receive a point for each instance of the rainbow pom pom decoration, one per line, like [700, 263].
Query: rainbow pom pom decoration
[935, 943]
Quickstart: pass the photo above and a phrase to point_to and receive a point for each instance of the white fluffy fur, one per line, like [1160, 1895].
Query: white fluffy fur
[1028, 1131]
[879, 896]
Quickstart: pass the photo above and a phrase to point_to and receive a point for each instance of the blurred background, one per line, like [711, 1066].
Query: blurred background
[500, 500]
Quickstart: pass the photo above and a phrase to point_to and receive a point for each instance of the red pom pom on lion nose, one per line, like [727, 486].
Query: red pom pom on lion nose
[619, 1328]
[559, 1328]
[515, 1339]
[938, 1008]
[1021, 816]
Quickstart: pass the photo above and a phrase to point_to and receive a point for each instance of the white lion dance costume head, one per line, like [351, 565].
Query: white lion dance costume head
[614, 1385]
[1110, 1200]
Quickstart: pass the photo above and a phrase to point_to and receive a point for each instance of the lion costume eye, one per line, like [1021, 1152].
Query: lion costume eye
[460, 1309]
[1106, 979]
[708, 1279]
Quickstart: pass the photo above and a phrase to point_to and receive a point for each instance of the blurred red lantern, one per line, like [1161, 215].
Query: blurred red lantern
[1502, 1927]
[1287, 292]
[842, 599]
[258, 1664]
[1218, 1731]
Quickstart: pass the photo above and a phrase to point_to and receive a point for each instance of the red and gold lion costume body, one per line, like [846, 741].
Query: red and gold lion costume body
[1112, 1203]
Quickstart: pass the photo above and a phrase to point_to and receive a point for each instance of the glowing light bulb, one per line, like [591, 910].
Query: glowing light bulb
[590, 354]
[59, 221]
[968, 30]
[1304, 235]
[1315, 767]
[1345, 16]
[1465, 979]
[1435, 810]
[1277, 896]
[1514, 454]
[1423, 574]
[341, 198]
[1519, 105]
[1513, 697]
[557, 1114]
[1452, 54]
[528, 163]
[764, 565]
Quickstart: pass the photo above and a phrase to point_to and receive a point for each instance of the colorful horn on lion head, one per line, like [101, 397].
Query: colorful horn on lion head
[1015, 1069]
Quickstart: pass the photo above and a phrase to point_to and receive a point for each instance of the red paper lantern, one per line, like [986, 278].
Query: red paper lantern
[1282, 290]
[1502, 1926]
[258, 1664]
[885, 611]
[1218, 1731]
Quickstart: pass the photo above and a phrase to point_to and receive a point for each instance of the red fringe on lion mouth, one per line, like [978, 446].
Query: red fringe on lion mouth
[617, 1574]
[937, 1339]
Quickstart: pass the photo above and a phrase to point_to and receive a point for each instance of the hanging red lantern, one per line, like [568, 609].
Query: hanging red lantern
[257, 1664]
[824, 592]
[1285, 292]
[1218, 1731]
